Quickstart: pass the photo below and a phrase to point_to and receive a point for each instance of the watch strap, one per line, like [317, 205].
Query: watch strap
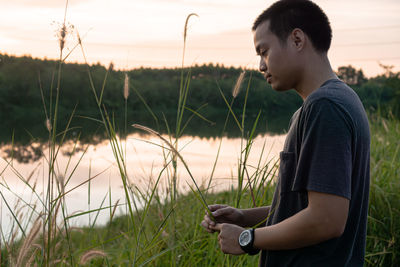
[250, 249]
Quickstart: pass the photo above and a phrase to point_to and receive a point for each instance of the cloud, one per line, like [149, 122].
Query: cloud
[222, 4]
[40, 3]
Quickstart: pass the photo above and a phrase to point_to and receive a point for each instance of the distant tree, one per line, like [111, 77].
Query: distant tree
[350, 75]
[388, 70]
[23, 80]
[393, 83]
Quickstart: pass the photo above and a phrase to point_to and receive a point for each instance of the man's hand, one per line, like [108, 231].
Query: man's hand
[222, 214]
[228, 238]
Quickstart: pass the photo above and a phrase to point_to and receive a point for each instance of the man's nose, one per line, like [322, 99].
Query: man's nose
[263, 66]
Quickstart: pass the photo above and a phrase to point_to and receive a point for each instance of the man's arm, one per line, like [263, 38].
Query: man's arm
[323, 219]
[254, 216]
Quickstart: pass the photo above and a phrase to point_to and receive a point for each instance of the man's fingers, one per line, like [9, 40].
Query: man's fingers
[217, 227]
[207, 227]
[215, 207]
[208, 220]
[221, 211]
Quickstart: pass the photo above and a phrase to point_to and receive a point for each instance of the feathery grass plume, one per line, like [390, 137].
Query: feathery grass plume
[239, 82]
[32, 258]
[60, 179]
[186, 25]
[91, 254]
[114, 209]
[61, 36]
[385, 125]
[48, 125]
[79, 38]
[62, 33]
[126, 86]
[28, 242]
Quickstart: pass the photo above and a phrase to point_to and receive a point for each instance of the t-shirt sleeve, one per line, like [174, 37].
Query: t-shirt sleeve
[325, 159]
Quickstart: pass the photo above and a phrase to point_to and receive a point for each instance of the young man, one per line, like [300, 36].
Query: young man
[318, 215]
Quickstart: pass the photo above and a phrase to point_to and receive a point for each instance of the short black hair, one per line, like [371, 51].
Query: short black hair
[286, 15]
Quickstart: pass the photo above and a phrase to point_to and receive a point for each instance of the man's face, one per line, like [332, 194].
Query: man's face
[276, 58]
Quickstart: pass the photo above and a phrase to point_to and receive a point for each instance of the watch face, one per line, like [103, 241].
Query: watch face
[245, 238]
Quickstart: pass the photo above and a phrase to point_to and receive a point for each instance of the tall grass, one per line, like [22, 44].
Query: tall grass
[162, 228]
[151, 232]
[383, 239]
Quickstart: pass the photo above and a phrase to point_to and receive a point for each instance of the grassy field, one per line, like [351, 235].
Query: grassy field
[383, 240]
[194, 247]
[163, 228]
[167, 231]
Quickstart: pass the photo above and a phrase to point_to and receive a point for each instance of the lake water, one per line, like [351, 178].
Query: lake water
[145, 160]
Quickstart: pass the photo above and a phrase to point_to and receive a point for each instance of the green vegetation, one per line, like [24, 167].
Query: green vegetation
[43, 236]
[194, 247]
[22, 79]
[56, 101]
[383, 240]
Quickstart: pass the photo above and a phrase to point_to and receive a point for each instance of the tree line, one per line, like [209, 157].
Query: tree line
[28, 89]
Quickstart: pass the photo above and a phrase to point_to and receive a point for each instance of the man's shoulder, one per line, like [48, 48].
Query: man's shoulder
[337, 93]
[333, 90]
[336, 99]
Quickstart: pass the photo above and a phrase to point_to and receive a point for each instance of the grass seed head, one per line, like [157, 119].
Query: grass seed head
[239, 82]
[147, 129]
[87, 256]
[186, 25]
[62, 32]
[126, 86]
[79, 38]
[61, 182]
[28, 242]
[48, 125]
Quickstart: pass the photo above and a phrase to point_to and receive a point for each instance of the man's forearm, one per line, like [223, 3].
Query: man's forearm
[323, 219]
[254, 216]
[301, 230]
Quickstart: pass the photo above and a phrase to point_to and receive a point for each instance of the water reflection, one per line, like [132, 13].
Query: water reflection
[26, 147]
[145, 159]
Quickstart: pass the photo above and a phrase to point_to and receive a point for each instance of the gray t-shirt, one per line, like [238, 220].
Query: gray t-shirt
[326, 150]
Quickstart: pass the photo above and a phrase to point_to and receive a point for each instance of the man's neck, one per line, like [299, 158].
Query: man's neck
[317, 71]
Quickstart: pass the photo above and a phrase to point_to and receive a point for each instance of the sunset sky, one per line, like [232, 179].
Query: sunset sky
[133, 33]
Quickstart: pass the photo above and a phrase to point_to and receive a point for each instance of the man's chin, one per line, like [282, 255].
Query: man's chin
[274, 86]
[277, 87]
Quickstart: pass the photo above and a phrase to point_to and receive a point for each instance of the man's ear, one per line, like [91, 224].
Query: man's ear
[297, 38]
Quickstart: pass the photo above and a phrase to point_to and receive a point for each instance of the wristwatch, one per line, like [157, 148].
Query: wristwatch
[246, 240]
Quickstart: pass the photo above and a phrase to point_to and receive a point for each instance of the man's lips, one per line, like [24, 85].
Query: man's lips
[268, 77]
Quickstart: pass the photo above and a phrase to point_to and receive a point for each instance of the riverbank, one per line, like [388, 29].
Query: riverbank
[167, 231]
